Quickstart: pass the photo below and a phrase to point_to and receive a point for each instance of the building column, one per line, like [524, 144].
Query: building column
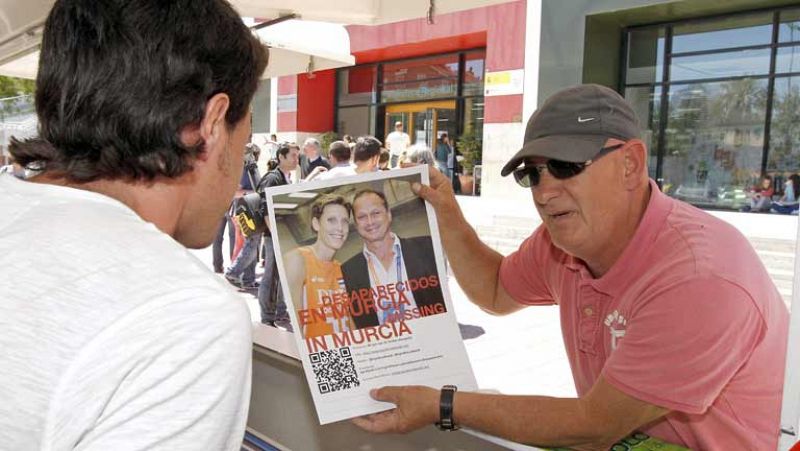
[305, 105]
[511, 95]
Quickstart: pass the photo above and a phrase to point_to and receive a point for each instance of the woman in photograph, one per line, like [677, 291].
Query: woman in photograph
[314, 278]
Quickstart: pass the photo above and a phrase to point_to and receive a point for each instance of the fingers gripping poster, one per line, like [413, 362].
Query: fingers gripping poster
[362, 272]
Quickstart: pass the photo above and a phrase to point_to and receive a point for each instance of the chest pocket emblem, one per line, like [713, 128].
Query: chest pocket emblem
[616, 324]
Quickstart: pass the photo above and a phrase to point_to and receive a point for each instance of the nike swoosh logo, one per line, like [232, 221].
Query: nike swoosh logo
[582, 120]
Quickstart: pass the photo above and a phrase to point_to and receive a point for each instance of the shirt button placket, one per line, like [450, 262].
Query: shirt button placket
[587, 324]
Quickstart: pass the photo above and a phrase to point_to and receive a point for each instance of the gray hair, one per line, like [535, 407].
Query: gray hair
[313, 142]
[421, 155]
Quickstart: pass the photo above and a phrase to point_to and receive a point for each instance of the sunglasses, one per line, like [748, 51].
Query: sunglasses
[530, 175]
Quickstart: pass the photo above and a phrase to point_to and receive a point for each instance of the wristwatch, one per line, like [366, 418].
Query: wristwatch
[446, 422]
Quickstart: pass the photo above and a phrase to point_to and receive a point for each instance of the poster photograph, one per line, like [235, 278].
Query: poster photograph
[363, 274]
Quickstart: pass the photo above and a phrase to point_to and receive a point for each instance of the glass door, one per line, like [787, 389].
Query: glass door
[423, 121]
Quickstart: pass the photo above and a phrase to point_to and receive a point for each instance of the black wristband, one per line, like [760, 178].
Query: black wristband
[446, 422]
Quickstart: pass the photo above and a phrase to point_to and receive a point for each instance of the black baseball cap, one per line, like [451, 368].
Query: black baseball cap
[574, 124]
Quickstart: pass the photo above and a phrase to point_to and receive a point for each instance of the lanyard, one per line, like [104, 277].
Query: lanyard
[387, 307]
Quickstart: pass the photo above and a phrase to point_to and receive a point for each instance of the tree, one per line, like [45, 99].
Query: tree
[739, 102]
[785, 129]
[15, 96]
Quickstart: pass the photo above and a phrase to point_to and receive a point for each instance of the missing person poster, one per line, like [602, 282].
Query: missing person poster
[363, 275]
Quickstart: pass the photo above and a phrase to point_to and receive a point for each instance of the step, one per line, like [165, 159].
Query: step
[782, 247]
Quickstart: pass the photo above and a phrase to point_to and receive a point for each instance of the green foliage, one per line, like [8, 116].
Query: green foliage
[325, 141]
[12, 91]
[785, 134]
[12, 87]
[471, 148]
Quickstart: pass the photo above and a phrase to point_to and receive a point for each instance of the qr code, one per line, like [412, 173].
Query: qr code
[334, 370]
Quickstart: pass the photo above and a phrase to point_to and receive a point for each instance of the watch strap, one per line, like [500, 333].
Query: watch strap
[446, 422]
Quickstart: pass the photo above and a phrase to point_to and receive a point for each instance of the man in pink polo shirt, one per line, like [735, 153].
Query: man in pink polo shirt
[671, 323]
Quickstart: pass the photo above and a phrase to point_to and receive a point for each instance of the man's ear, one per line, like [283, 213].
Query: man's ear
[210, 131]
[635, 163]
[315, 224]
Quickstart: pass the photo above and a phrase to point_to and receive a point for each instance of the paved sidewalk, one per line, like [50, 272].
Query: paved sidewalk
[523, 353]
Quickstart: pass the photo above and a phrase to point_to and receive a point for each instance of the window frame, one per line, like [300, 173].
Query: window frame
[665, 84]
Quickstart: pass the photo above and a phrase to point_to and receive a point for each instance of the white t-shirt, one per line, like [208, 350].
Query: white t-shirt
[112, 335]
[337, 171]
[398, 142]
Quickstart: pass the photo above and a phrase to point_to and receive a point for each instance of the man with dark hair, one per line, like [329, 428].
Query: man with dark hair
[367, 152]
[670, 321]
[270, 296]
[387, 259]
[314, 277]
[383, 160]
[113, 335]
[339, 153]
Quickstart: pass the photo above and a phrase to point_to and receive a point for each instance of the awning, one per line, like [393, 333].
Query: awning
[358, 12]
[298, 46]
[21, 25]
[295, 46]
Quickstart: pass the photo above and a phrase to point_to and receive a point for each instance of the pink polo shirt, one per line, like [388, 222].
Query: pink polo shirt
[686, 319]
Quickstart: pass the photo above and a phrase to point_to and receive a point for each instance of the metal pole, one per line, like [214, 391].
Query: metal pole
[790, 411]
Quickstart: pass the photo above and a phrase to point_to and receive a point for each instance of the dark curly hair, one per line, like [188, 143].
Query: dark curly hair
[119, 80]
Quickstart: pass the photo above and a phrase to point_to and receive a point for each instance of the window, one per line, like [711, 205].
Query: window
[718, 100]
[357, 86]
[427, 78]
[784, 154]
[473, 73]
[446, 89]
[725, 33]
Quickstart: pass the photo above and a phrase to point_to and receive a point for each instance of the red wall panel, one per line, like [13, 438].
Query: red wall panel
[287, 121]
[502, 109]
[287, 85]
[315, 101]
[502, 25]
[499, 28]
[360, 81]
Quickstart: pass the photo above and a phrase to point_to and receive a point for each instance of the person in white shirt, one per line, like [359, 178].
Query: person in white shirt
[339, 153]
[113, 335]
[397, 142]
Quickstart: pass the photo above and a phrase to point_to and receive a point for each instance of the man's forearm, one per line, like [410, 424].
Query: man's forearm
[535, 420]
[474, 264]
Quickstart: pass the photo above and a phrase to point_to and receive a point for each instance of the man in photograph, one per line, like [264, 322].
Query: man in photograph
[113, 334]
[313, 276]
[388, 260]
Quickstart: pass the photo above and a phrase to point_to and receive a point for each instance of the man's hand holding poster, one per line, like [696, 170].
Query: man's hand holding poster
[363, 271]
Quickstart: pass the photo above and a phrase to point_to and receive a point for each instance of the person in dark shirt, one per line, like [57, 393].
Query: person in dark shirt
[311, 159]
[270, 296]
[242, 272]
